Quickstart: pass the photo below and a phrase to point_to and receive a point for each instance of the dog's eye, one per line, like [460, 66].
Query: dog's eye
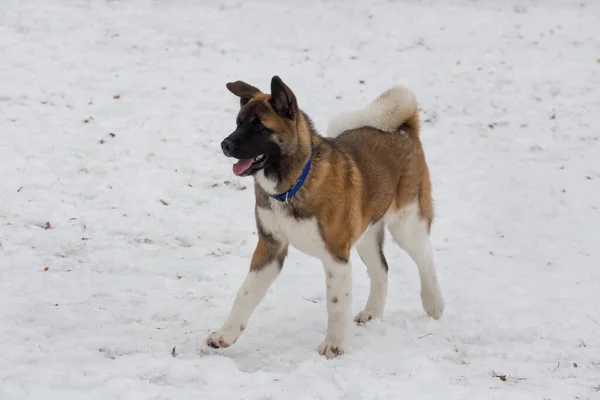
[238, 121]
[257, 124]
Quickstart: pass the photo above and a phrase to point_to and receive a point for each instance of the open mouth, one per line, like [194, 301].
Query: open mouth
[249, 165]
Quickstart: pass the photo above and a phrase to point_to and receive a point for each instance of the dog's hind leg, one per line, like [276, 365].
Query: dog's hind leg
[370, 250]
[411, 231]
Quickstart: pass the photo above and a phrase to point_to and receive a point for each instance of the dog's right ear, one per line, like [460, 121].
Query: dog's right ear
[242, 90]
[283, 99]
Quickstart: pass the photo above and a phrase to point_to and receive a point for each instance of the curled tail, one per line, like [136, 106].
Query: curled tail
[394, 109]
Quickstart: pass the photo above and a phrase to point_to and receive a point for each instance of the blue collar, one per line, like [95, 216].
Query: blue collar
[287, 196]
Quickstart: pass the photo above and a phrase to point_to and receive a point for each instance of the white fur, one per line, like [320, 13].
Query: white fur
[303, 235]
[387, 113]
[269, 185]
[411, 233]
[249, 295]
[338, 278]
[368, 250]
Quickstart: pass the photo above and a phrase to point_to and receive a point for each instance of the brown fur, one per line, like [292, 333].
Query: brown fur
[267, 249]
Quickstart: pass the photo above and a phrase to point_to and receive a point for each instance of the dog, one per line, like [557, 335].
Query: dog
[327, 195]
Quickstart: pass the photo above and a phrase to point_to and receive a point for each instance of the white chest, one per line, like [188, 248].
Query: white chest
[304, 234]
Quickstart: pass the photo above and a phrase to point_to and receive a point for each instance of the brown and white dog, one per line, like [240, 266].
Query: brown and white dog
[324, 195]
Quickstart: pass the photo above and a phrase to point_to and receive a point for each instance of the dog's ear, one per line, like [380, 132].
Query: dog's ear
[242, 90]
[282, 99]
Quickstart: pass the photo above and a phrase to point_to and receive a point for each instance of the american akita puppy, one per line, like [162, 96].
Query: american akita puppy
[324, 195]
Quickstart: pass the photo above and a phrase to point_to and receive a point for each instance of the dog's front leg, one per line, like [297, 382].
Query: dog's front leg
[338, 276]
[266, 264]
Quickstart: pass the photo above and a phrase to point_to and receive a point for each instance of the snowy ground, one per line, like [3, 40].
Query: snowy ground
[150, 234]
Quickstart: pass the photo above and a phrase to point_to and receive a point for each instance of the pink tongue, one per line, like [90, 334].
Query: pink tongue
[241, 166]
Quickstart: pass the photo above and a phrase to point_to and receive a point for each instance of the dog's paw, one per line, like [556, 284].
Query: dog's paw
[223, 338]
[433, 303]
[365, 316]
[331, 349]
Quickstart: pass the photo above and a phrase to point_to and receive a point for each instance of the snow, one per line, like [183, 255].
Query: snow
[151, 234]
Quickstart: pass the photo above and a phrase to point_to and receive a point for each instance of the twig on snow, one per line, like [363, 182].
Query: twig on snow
[557, 366]
[141, 126]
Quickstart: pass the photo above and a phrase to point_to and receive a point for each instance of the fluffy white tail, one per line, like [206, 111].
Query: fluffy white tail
[392, 109]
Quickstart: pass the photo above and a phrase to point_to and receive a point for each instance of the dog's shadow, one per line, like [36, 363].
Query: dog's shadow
[293, 341]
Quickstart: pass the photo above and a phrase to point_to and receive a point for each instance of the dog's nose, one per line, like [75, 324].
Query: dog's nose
[227, 146]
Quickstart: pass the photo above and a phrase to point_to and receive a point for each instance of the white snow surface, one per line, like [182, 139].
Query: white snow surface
[509, 93]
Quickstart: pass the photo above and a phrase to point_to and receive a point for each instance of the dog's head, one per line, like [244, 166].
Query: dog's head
[266, 127]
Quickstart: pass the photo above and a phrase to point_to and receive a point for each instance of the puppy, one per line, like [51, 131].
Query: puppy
[324, 195]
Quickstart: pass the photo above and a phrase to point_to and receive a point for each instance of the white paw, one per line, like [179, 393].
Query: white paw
[331, 348]
[433, 302]
[365, 316]
[224, 338]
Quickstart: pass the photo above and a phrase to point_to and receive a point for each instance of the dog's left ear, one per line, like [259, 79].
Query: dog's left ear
[242, 90]
[283, 99]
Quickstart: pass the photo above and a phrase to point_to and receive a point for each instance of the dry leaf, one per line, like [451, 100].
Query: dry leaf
[84, 238]
[117, 96]
[243, 188]
[173, 352]
[101, 141]
[575, 365]
[112, 134]
[46, 268]
[164, 202]
[501, 377]
[48, 226]
[179, 276]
